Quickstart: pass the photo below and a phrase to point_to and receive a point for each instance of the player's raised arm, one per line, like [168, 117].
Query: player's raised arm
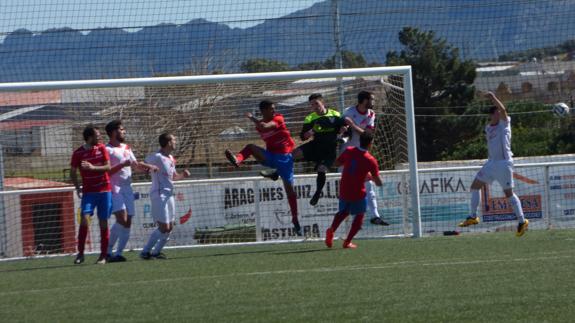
[260, 124]
[250, 116]
[498, 104]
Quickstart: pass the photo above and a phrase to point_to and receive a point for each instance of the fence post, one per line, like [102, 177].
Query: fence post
[3, 229]
[547, 198]
[257, 213]
[405, 203]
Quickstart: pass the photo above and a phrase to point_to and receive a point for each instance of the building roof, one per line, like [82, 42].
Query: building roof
[30, 98]
[21, 183]
[27, 124]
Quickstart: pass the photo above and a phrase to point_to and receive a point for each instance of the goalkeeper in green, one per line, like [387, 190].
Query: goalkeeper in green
[323, 125]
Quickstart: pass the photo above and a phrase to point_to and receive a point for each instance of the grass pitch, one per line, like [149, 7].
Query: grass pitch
[485, 278]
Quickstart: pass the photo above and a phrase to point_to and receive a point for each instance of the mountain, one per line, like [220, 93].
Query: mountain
[482, 29]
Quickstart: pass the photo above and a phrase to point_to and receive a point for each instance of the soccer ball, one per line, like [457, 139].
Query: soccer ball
[561, 109]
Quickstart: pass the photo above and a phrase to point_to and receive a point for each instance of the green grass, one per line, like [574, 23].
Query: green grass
[486, 278]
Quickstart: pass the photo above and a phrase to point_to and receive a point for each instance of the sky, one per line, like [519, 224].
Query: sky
[38, 15]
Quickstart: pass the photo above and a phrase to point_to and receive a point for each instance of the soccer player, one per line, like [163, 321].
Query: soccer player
[122, 160]
[162, 196]
[93, 161]
[277, 155]
[358, 165]
[499, 166]
[360, 118]
[324, 125]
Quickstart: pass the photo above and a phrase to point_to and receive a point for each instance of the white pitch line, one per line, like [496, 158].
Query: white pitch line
[407, 264]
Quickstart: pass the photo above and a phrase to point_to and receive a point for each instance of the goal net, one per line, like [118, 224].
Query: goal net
[42, 124]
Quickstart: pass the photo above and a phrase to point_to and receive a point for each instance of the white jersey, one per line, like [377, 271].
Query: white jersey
[162, 180]
[363, 120]
[499, 140]
[119, 155]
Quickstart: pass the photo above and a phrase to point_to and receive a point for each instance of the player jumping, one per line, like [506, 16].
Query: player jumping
[277, 155]
[324, 125]
[499, 166]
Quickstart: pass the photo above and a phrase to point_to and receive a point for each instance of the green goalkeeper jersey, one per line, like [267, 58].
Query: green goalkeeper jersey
[325, 127]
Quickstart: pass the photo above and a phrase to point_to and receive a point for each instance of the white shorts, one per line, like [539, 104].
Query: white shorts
[123, 200]
[163, 207]
[500, 171]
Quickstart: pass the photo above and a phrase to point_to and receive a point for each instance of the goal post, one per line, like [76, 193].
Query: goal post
[43, 121]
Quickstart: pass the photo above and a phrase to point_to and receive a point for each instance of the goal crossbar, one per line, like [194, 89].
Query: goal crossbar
[202, 79]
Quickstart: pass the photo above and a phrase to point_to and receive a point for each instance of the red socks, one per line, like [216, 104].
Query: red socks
[104, 238]
[244, 154]
[82, 235]
[355, 227]
[292, 200]
[337, 220]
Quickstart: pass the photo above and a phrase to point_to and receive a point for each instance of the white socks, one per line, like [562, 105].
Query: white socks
[123, 240]
[114, 234]
[371, 200]
[474, 202]
[514, 200]
[516, 204]
[154, 237]
[161, 243]
[121, 234]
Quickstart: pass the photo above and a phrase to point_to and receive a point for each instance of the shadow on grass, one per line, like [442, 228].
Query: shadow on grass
[300, 251]
[46, 267]
[251, 252]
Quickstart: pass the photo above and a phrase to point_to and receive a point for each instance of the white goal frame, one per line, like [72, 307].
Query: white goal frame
[404, 71]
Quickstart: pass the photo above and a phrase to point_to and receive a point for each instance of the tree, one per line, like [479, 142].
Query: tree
[349, 60]
[440, 79]
[256, 65]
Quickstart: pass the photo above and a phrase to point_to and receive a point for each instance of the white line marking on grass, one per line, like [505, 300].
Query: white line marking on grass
[406, 264]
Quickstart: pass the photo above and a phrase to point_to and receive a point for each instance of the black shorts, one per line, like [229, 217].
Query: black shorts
[320, 154]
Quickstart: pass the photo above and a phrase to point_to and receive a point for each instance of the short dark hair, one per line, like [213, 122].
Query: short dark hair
[315, 96]
[491, 109]
[89, 131]
[266, 104]
[365, 139]
[363, 95]
[165, 138]
[113, 126]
